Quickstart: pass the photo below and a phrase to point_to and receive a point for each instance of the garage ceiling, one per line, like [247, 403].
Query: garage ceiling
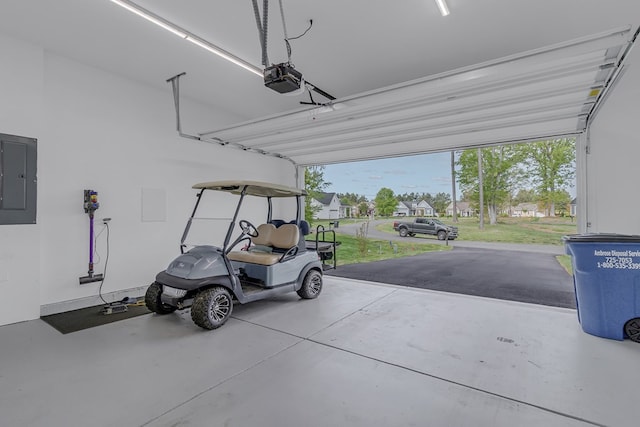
[539, 94]
[407, 79]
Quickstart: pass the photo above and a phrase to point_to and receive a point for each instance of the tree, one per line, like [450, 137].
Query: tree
[386, 202]
[499, 167]
[351, 198]
[440, 202]
[363, 209]
[408, 196]
[525, 196]
[411, 197]
[551, 167]
[563, 201]
[314, 184]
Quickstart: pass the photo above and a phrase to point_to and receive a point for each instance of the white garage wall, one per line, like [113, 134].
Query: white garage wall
[96, 130]
[21, 84]
[611, 191]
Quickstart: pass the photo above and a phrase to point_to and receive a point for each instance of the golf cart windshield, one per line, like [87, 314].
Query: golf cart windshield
[212, 212]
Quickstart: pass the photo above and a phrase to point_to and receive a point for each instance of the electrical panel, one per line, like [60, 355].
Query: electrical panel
[18, 179]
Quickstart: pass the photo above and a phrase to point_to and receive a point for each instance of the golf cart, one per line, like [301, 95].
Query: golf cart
[261, 262]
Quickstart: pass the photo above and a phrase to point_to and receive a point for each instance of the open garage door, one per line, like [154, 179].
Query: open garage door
[544, 93]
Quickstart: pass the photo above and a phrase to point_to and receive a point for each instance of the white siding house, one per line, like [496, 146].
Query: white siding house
[422, 208]
[328, 206]
[402, 209]
[463, 209]
[527, 210]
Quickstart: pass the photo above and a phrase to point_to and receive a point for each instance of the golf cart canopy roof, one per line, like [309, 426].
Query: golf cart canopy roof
[254, 188]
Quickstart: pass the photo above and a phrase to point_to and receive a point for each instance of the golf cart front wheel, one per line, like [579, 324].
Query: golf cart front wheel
[311, 285]
[632, 329]
[212, 308]
[153, 300]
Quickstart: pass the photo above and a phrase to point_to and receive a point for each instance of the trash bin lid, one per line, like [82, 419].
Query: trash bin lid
[602, 237]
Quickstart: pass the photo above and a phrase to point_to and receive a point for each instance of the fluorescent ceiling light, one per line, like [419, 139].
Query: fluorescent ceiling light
[184, 34]
[150, 17]
[442, 5]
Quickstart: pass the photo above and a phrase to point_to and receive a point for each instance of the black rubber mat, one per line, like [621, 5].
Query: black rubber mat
[90, 317]
[510, 275]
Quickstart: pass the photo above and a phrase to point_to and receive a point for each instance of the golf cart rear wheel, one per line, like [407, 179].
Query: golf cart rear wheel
[632, 329]
[311, 285]
[212, 307]
[153, 300]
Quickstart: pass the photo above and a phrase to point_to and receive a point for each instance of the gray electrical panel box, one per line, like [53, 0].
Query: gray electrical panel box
[18, 179]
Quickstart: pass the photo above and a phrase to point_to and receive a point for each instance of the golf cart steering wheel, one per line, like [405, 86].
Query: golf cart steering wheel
[248, 228]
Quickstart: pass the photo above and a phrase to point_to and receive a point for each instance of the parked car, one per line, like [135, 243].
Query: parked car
[430, 226]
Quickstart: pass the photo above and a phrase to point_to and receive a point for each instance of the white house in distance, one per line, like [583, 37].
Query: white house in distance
[348, 211]
[463, 209]
[422, 208]
[527, 210]
[328, 206]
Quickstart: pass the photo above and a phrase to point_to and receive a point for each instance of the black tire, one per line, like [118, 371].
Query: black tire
[311, 285]
[403, 232]
[632, 329]
[442, 235]
[154, 302]
[212, 308]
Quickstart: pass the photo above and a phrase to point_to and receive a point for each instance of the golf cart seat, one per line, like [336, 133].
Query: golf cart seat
[264, 235]
[278, 222]
[271, 246]
[305, 229]
[304, 225]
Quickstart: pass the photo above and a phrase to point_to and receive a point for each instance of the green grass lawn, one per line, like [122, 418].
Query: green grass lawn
[544, 231]
[565, 262]
[350, 252]
[548, 231]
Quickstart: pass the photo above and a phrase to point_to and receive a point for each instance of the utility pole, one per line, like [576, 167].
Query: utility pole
[453, 186]
[480, 189]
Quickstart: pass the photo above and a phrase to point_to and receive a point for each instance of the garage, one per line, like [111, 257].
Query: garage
[128, 99]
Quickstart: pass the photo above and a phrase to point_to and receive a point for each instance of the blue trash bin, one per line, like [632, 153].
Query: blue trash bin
[606, 277]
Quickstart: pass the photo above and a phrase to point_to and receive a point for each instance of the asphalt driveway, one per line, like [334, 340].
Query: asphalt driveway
[516, 275]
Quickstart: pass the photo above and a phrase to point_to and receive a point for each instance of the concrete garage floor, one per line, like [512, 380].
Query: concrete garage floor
[362, 354]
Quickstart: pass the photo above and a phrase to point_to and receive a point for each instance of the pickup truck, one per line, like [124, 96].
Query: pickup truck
[425, 226]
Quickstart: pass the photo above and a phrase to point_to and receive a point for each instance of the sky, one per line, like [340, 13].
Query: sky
[426, 173]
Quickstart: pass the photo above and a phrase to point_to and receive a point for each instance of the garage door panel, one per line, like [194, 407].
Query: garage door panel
[532, 95]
